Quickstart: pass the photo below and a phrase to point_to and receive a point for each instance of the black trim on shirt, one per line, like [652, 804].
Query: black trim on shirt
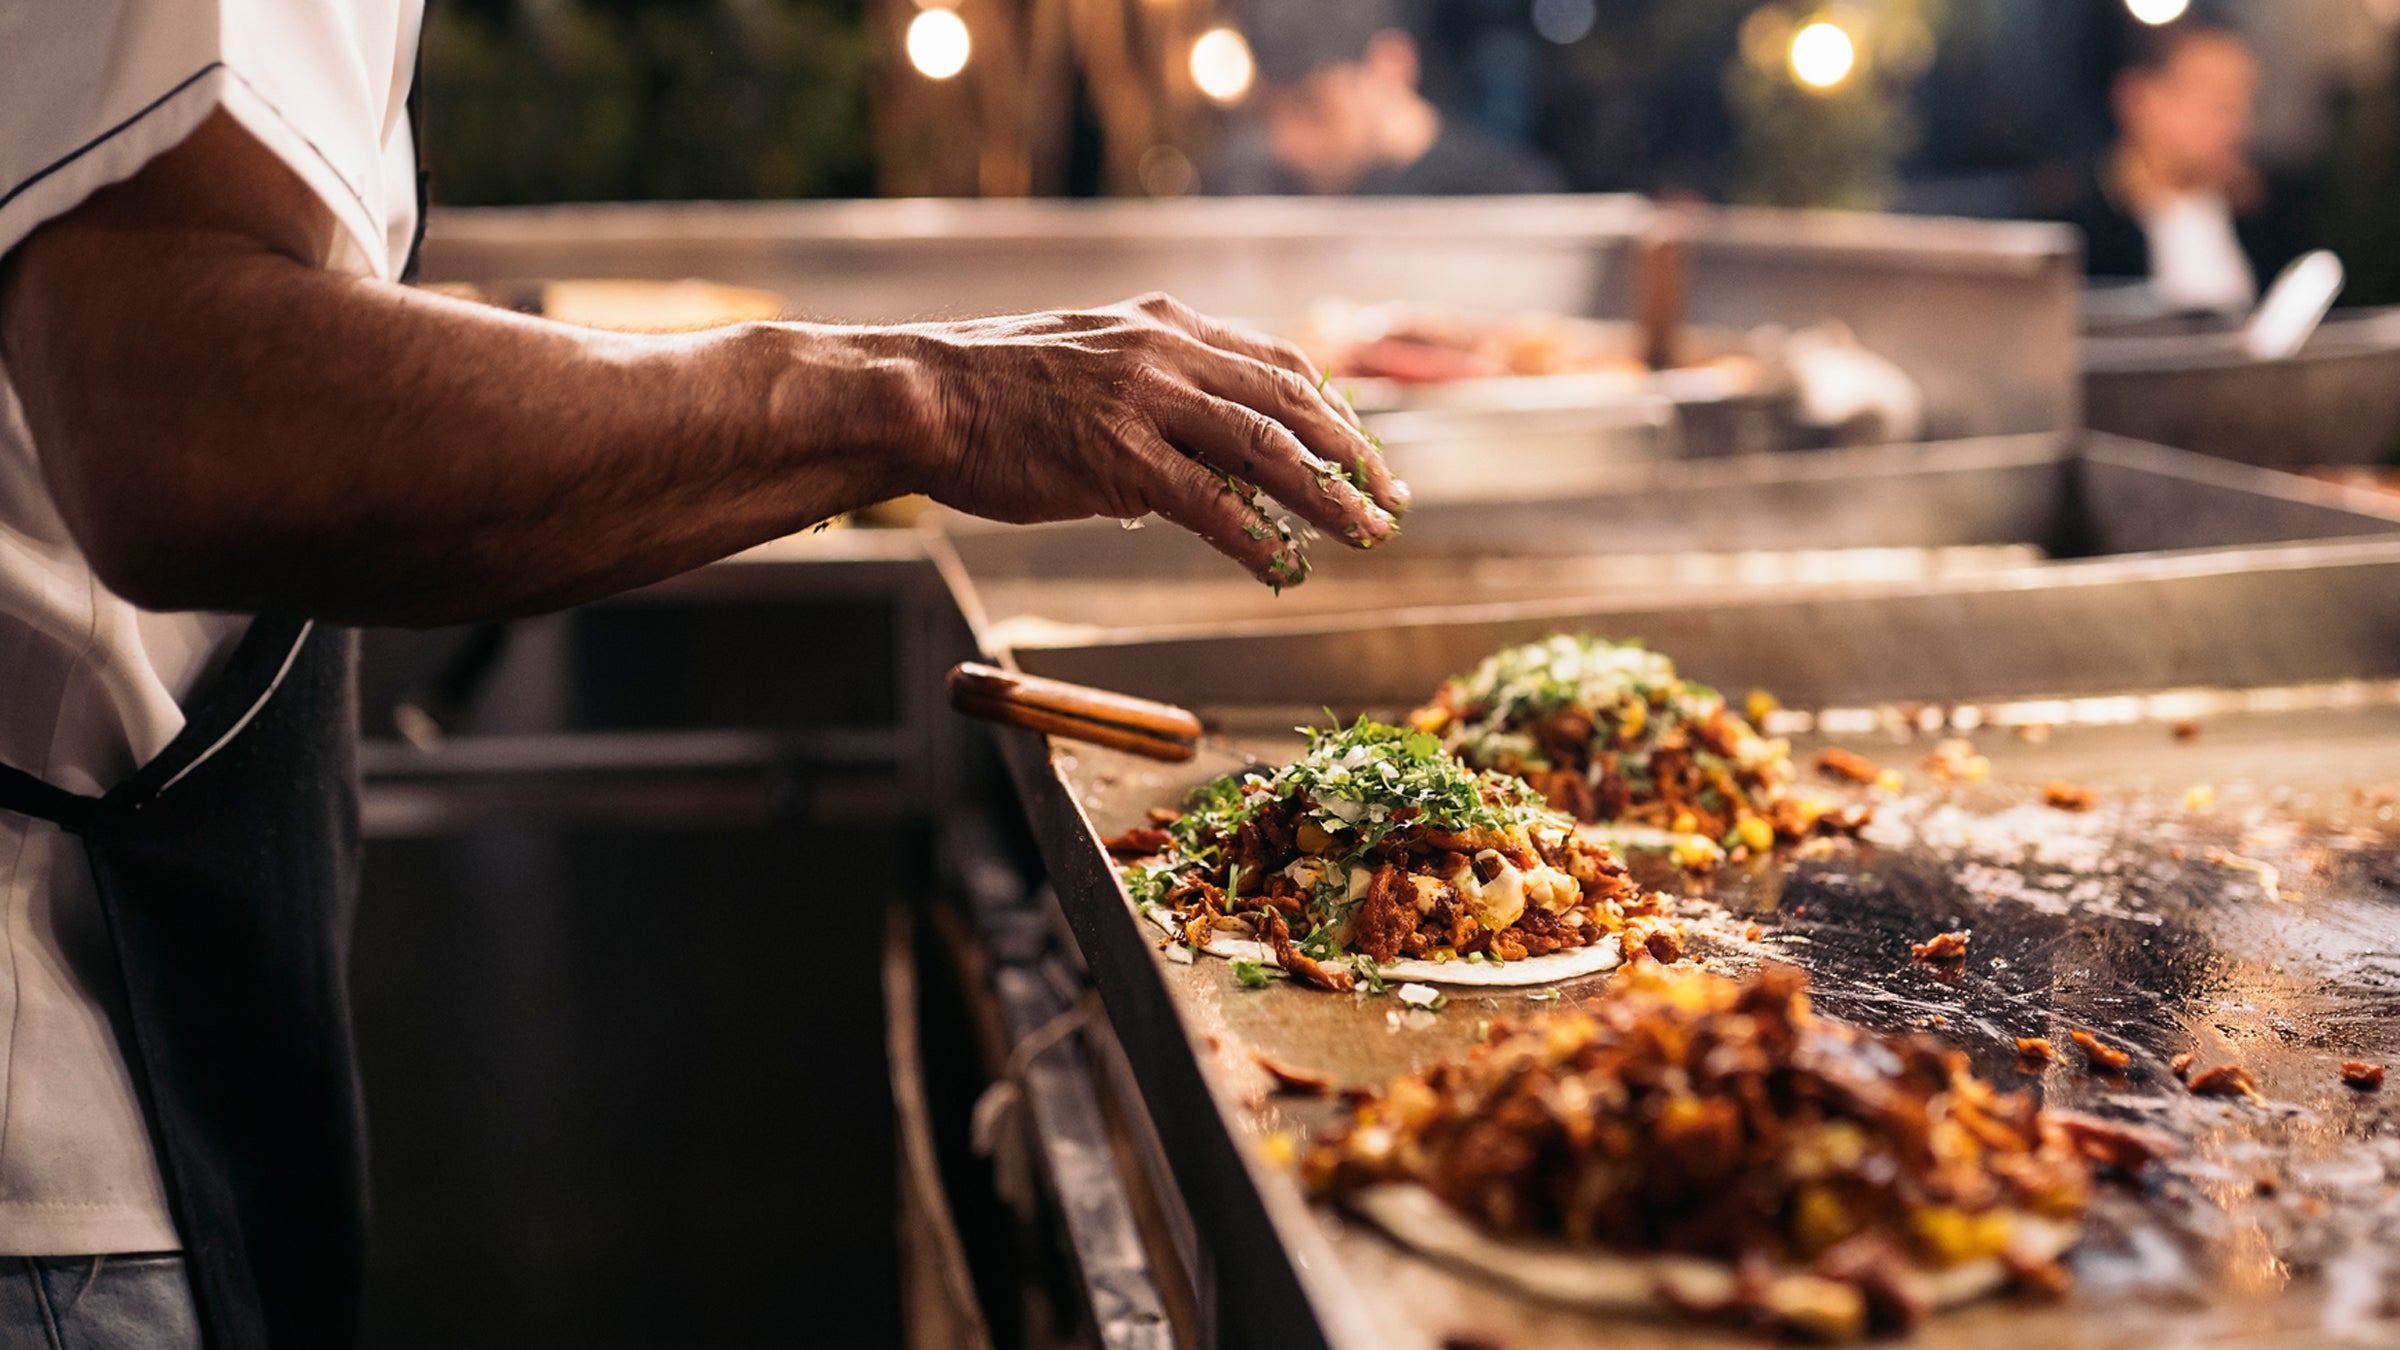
[106, 136]
[153, 106]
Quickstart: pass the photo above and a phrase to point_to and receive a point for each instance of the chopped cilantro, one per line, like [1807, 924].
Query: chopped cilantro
[1250, 973]
[1363, 966]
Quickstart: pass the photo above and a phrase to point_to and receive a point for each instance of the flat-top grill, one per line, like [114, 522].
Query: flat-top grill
[2148, 921]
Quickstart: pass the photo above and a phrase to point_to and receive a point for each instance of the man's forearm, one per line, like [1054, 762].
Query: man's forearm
[225, 423]
[332, 445]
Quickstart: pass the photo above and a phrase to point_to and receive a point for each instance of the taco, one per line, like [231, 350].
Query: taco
[1692, 1143]
[1377, 854]
[1608, 733]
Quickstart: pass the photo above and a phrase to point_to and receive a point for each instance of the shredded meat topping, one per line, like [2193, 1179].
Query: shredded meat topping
[1686, 1112]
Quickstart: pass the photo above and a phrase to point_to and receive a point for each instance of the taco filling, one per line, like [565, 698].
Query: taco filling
[1376, 853]
[1708, 1144]
[1609, 733]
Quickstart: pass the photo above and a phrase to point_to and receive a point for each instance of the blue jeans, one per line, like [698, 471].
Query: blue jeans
[138, 1302]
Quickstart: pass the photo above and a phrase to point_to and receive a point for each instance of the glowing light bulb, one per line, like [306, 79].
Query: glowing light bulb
[2156, 12]
[1221, 65]
[938, 44]
[1822, 55]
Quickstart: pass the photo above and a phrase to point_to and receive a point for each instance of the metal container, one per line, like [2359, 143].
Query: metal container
[1883, 516]
[1898, 283]
[2146, 920]
[2337, 402]
[1449, 455]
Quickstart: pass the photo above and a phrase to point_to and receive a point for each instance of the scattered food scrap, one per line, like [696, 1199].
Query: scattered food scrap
[2365, 1077]
[1941, 947]
[1753, 933]
[2100, 1052]
[2186, 730]
[1139, 843]
[1847, 765]
[2225, 1080]
[2180, 1064]
[1955, 760]
[1420, 996]
[2038, 1049]
[1297, 1082]
[2067, 796]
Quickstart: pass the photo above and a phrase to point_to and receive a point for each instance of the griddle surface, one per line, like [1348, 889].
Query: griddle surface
[2126, 921]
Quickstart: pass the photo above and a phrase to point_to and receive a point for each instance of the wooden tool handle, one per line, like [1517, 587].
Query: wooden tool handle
[1077, 712]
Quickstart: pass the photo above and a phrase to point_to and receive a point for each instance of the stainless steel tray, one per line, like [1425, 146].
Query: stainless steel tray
[1782, 524]
[1899, 283]
[2336, 402]
[2122, 920]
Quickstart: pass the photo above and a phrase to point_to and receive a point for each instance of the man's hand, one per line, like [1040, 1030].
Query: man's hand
[1148, 407]
[225, 424]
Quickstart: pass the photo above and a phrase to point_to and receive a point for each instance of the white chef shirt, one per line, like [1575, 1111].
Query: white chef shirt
[90, 687]
[2196, 258]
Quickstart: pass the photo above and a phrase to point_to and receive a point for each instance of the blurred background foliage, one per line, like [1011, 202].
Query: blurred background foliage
[532, 101]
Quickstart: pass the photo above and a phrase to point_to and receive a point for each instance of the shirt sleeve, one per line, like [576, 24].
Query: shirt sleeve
[93, 90]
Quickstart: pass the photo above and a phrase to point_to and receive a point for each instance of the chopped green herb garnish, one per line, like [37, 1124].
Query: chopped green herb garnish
[1251, 973]
[1363, 966]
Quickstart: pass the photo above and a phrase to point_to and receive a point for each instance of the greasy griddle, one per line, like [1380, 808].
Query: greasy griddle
[2088, 921]
[2116, 921]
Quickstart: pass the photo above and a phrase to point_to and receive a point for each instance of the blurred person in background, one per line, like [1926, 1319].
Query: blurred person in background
[1339, 111]
[2177, 199]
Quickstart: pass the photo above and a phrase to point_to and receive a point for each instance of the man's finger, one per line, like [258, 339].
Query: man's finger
[1292, 400]
[1183, 492]
[1260, 450]
[1280, 354]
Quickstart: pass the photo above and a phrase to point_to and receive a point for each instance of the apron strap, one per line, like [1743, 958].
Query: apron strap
[250, 676]
[27, 795]
[256, 668]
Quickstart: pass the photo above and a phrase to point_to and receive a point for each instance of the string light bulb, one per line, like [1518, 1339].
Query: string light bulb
[938, 44]
[2156, 12]
[1822, 55]
[1222, 65]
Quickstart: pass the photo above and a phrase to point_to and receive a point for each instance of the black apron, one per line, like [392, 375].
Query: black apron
[227, 871]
